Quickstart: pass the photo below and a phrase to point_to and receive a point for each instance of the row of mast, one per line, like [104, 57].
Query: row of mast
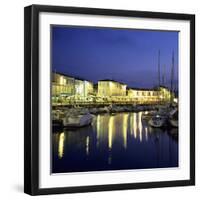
[172, 88]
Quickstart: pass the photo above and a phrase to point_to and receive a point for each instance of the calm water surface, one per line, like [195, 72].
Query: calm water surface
[113, 142]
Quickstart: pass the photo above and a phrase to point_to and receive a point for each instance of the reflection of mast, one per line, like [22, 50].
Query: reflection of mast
[157, 148]
[159, 68]
[170, 152]
[172, 77]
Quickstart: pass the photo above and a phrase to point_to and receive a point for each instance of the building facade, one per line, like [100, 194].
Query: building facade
[105, 91]
[143, 95]
[63, 85]
[110, 88]
[149, 95]
[165, 94]
[83, 88]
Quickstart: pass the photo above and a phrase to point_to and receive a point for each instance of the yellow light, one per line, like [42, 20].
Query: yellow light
[110, 132]
[80, 89]
[98, 130]
[61, 80]
[134, 125]
[61, 145]
[140, 124]
[125, 127]
[175, 100]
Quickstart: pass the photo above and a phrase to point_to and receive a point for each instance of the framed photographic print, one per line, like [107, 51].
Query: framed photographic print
[109, 100]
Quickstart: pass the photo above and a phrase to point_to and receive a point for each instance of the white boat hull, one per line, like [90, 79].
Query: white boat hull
[78, 121]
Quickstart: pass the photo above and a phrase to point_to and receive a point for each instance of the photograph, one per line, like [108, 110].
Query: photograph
[114, 99]
[109, 99]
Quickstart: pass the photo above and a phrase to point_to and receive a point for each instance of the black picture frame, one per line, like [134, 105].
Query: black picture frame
[31, 98]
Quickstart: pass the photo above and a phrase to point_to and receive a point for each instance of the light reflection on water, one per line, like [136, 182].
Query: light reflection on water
[114, 141]
[61, 145]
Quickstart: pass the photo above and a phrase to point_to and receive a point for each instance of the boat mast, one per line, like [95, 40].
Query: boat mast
[159, 68]
[172, 77]
[163, 75]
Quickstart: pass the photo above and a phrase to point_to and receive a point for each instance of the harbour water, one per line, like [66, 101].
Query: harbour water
[114, 142]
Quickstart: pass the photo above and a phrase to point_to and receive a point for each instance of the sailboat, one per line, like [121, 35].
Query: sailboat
[173, 115]
[158, 119]
[161, 119]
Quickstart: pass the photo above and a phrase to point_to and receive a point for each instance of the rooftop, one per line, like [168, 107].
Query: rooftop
[147, 89]
[70, 76]
[111, 80]
[142, 89]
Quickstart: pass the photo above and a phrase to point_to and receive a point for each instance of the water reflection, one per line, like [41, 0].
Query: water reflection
[140, 125]
[125, 128]
[110, 131]
[61, 145]
[134, 125]
[114, 141]
[87, 145]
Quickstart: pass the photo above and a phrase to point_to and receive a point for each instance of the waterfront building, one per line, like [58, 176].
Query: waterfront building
[79, 87]
[62, 85]
[77, 90]
[110, 88]
[165, 94]
[143, 95]
[89, 88]
[83, 88]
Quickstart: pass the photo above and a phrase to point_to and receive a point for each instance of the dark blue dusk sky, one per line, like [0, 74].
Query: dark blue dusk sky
[129, 56]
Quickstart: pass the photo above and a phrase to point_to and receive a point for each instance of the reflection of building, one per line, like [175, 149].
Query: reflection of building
[63, 85]
[109, 88]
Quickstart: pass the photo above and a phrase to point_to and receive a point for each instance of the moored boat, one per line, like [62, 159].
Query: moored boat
[78, 121]
[158, 121]
[147, 115]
